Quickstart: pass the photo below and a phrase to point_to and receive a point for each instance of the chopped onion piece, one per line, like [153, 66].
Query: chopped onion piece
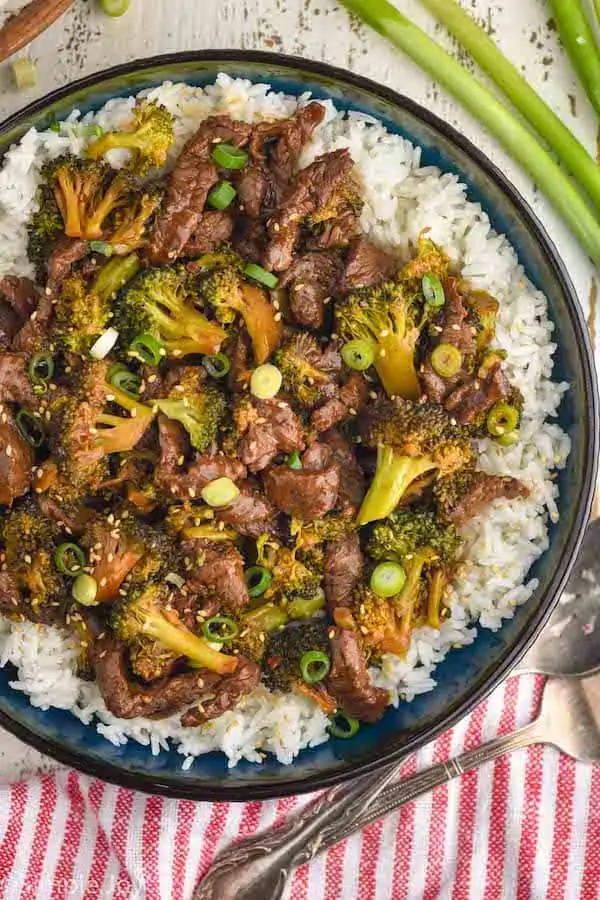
[105, 343]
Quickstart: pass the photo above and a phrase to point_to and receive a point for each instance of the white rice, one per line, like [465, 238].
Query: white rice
[402, 198]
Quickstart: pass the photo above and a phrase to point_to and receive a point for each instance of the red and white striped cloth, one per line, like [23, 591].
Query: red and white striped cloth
[525, 827]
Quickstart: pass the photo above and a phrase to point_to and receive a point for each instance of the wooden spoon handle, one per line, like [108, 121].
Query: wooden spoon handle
[27, 24]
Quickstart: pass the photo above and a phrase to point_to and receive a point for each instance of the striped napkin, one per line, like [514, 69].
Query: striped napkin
[525, 827]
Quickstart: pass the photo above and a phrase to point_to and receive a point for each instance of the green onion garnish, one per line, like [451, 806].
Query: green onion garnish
[358, 355]
[102, 247]
[30, 428]
[258, 580]
[502, 419]
[84, 590]
[124, 380]
[41, 368]
[69, 559]
[220, 628]
[147, 349]
[433, 290]
[55, 127]
[294, 461]
[257, 273]
[265, 381]
[217, 365]
[222, 195]
[229, 157]
[446, 360]
[114, 8]
[314, 666]
[220, 492]
[343, 726]
[388, 579]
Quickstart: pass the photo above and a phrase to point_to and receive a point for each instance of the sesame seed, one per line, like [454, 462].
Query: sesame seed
[9, 450]
[110, 557]
[352, 411]
[103, 582]
[180, 460]
[364, 629]
[133, 413]
[300, 286]
[276, 227]
[331, 633]
[110, 397]
[277, 317]
[382, 353]
[179, 388]
[27, 559]
[373, 395]
[34, 315]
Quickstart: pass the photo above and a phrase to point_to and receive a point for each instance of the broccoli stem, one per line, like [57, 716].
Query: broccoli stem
[114, 275]
[437, 583]
[395, 365]
[572, 24]
[515, 137]
[185, 643]
[392, 477]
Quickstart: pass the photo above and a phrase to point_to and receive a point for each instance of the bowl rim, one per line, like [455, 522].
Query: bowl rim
[171, 787]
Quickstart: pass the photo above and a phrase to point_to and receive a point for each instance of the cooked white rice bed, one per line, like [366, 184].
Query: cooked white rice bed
[402, 198]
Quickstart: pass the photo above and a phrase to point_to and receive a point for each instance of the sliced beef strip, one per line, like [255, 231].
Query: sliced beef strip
[242, 363]
[311, 280]
[352, 397]
[16, 461]
[20, 293]
[366, 265]
[188, 185]
[316, 457]
[250, 238]
[484, 489]
[313, 188]
[352, 479]
[343, 569]
[205, 468]
[66, 252]
[456, 329]
[128, 699]
[473, 399]
[225, 695]
[10, 595]
[9, 325]
[36, 327]
[273, 428]
[278, 144]
[220, 572]
[15, 383]
[349, 680]
[251, 514]
[303, 494]
[434, 387]
[258, 191]
[337, 232]
[214, 227]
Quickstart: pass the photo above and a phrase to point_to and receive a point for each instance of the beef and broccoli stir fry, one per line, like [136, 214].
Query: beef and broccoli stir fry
[237, 439]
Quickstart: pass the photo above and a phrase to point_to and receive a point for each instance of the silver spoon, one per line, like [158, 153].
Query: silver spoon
[258, 868]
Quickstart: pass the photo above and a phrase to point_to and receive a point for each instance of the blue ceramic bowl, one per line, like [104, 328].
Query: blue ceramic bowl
[467, 675]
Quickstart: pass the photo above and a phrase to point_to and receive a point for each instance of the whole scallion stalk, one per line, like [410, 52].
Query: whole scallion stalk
[484, 51]
[493, 115]
[578, 39]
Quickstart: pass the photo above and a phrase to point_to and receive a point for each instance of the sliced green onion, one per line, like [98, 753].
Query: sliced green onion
[222, 195]
[124, 380]
[305, 607]
[258, 580]
[518, 90]
[30, 428]
[220, 629]
[55, 127]
[84, 590]
[266, 617]
[229, 157]
[294, 461]
[102, 247]
[358, 355]
[69, 559]
[578, 40]
[257, 273]
[388, 579]
[87, 130]
[343, 726]
[217, 365]
[446, 360]
[41, 368]
[265, 382]
[114, 8]
[147, 349]
[508, 439]
[24, 73]
[220, 492]
[502, 419]
[433, 290]
[102, 347]
[314, 666]
[514, 136]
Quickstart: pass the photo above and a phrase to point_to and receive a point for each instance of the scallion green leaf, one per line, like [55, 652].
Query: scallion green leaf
[578, 40]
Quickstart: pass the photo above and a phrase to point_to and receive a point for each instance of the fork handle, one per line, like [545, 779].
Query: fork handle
[259, 867]
[28, 23]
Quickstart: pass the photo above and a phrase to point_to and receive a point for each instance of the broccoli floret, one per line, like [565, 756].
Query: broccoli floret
[411, 440]
[149, 138]
[484, 309]
[229, 295]
[388, 321]
[45, 226]
[298, 361]
[196, 523]
[160, 303]
[30, 542]
[145, 614]
[331, 528]
[198, 406]
[131, 224]
[83, 311]
[429, 260]
[286, 647]
[344, 203]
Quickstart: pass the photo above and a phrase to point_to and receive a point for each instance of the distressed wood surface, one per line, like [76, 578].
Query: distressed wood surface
[85, 41]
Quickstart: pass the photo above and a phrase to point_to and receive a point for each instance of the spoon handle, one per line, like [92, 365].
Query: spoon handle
[259, 867]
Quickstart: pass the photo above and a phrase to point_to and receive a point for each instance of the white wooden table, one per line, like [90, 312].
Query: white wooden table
[86, 41]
